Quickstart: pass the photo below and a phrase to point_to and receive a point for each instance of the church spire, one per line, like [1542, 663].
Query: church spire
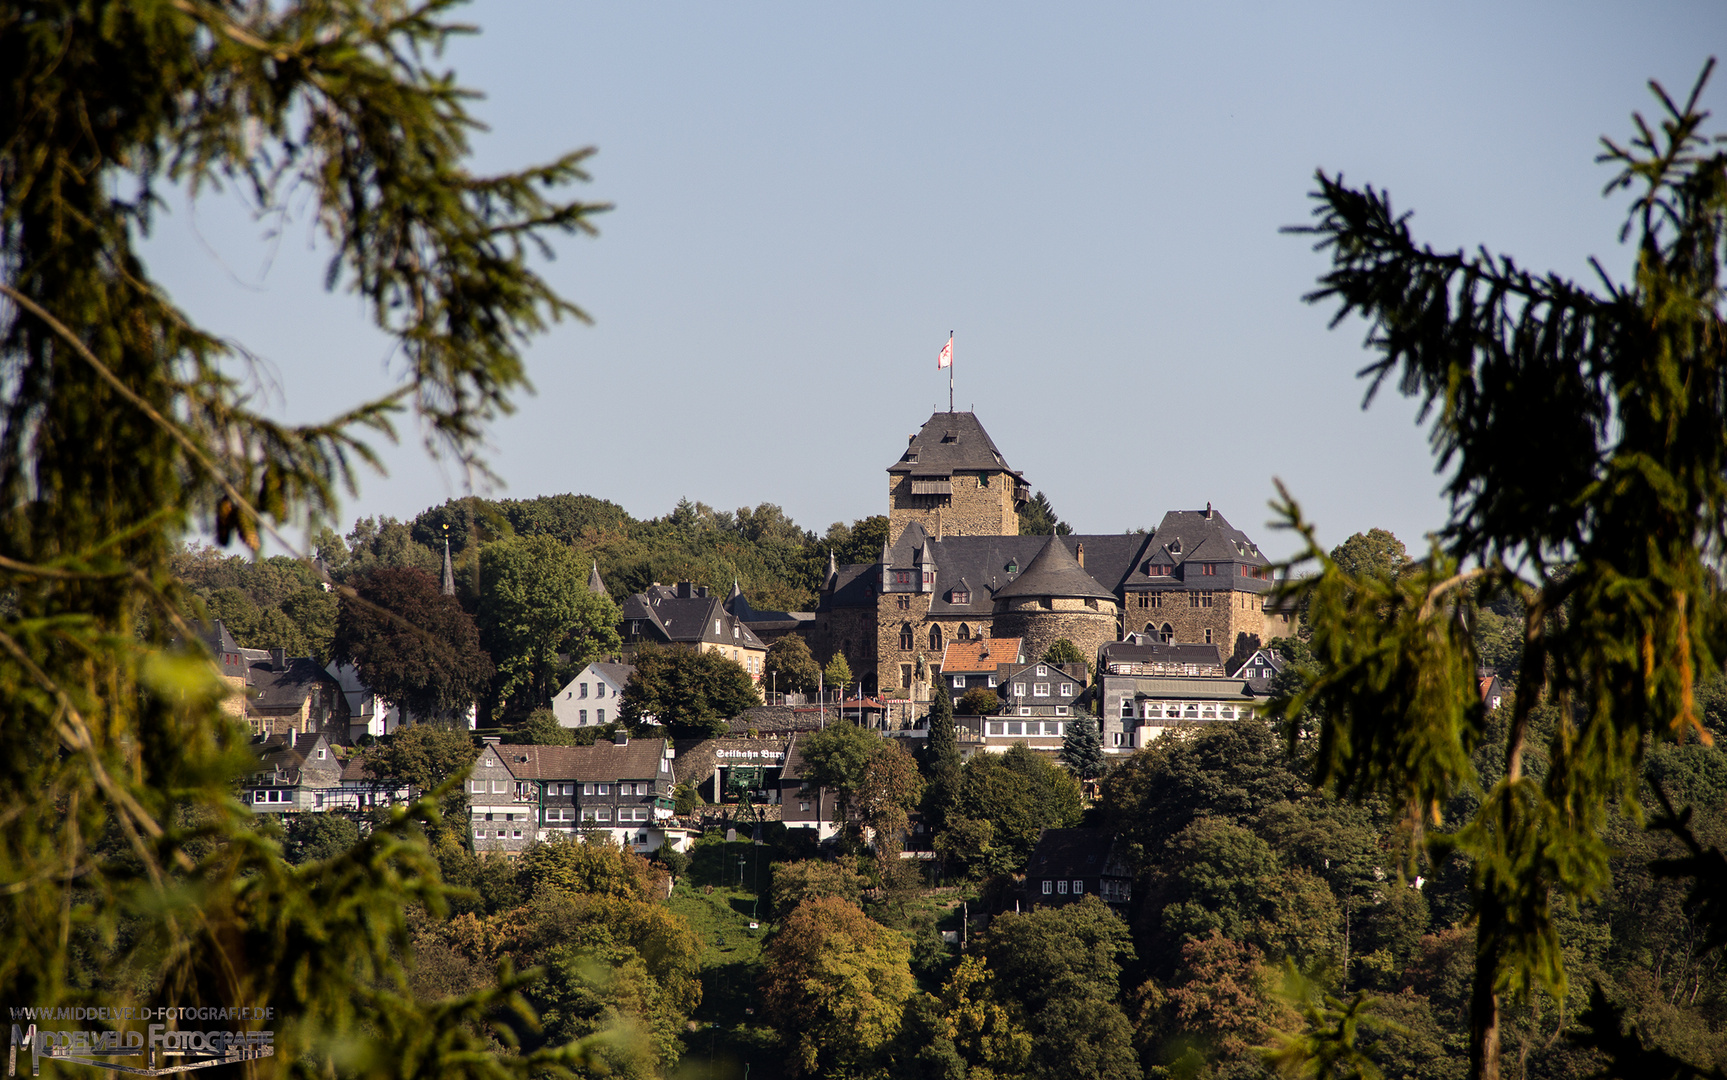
[595, 584]
[449, 570]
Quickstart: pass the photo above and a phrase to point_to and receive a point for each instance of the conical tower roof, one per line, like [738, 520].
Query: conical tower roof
[1055, 573]
[595, 584]
[449, 571]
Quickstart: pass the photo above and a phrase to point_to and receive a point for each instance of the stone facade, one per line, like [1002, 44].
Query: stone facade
[1204, 617]
[976, 504]
[1089, 624]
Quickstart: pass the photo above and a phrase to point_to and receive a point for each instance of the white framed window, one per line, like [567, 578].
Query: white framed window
[1042, 670]
[604, 813]
[803, 807]
[321, 752]
[479, 834]
[1047, 886]
[959, 682]
[569, 789]
[478, 787]
[1061, 710]
[1040, 689]
[995, 728]
[1061, 887]
[1126, 708]
[500, 834]
[1024, 710]
[587, 789]
[498, 787]
[1078, 887]
[1066, 689]
[1018, 689]
[517, 834]
[582, 716]
[992, 682]
[602, 789]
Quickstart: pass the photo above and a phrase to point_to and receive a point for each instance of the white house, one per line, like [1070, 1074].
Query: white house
[369, 714]
[594, 696]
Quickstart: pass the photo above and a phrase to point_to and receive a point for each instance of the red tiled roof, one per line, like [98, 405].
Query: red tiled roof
[980, 656]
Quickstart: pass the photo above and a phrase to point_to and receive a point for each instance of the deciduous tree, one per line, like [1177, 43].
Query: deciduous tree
[692, 693]
[835, 986]
[534, 606]
[411, 644]
[791, 666]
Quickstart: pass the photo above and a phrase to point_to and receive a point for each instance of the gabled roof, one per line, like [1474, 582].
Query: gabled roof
[1157, 652]
[288, 689]
[1074, 853]
[603, 762]
[950, 441]
[1055, 572]
[979, 657]
[618, 674]
[689, 620]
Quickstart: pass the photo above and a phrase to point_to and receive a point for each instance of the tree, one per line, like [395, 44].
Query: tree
[318, 836]
[592, 866]
[692, 693]
[534, 606]
[412, 645]
[978, 701]
[1373, 552]
[1038, 519]
[837, 673]
[131, 427]
[889, 789]
[793, 669]
[1063, 651]
[425, 757]
[835, 985]
[541, 728]
[941, 764]
[1605, 520]
[1082, 747]
[1020, 794]
[1063, 966]
[870, 776]
[807, 879]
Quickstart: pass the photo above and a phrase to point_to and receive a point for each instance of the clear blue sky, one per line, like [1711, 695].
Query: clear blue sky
[810, 196]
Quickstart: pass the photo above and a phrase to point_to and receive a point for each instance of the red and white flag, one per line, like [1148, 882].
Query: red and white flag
[946, 357]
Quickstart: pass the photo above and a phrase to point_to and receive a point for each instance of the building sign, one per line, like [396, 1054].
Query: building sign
[750, 755]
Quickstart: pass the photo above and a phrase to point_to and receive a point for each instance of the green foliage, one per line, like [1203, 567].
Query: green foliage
[978, 701]
[835, 986]
[791, 667]
[1020, 794]
[592, 866]
[534, 606]
[1376, 553]
[1038, 518]
[837, 674]
[427, 758]
[1063, 966]
[413, 645]
[807, 879]
[692, 693]
[941, 764]
[871, 777]
[1082, 747]
[311, 837]
[1604, 520]
[541, 728]
[1063, 651]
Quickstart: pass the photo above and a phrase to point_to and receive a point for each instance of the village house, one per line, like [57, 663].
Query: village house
[295, 774]
[688, 614]
[1147, 686]
[1070, 864]
[593, 697]
[622, 789]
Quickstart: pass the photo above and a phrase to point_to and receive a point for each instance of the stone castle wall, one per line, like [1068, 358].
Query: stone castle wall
[1229, 614]
[1088, 628]
[981, 505]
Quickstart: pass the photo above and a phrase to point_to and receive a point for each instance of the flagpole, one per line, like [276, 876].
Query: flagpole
[950, 371]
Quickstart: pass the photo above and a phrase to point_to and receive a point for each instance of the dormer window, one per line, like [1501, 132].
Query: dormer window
[1013, 566]
[959, 596]
[1175, 547]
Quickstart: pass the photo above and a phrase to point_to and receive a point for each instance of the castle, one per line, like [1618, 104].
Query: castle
[954, 568]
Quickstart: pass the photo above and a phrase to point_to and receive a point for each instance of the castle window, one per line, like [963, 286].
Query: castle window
[905, 672]
[1167, 633]
[902, 577]
[904, 603]
[1208, 569]
[1208, 637]
[905, 638]
[964, 632]
[1013, 566]
[935, 637]
[959, 596]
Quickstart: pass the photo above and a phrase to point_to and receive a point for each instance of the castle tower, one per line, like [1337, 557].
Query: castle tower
[1053, 599]
[954, 482]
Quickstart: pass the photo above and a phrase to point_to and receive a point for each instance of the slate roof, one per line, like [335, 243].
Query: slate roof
[967, 657]
[1074, 853]
[288, 689]
[1157, 652]
[688, 620]
[617, 673]
[1198, 537]
[603, 762]
[950, 441]
[596, 584]
[1055, 572]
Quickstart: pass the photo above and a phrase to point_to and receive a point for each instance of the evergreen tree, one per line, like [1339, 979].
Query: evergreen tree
[1606, 519]
[941, 764]
[1082, 747]
[1038, 518]
[129, 427]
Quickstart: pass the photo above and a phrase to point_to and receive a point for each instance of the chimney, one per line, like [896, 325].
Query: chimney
[686, 590]
[622, 738]
[702, 591]
[278, 659]
[1080, 555]
[909, 439]
[1208, 511]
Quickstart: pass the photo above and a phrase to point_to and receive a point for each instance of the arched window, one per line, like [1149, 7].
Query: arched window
[905, 639]
[964, 632]
[935, 637]
[1151, 628]
[1167, 633]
